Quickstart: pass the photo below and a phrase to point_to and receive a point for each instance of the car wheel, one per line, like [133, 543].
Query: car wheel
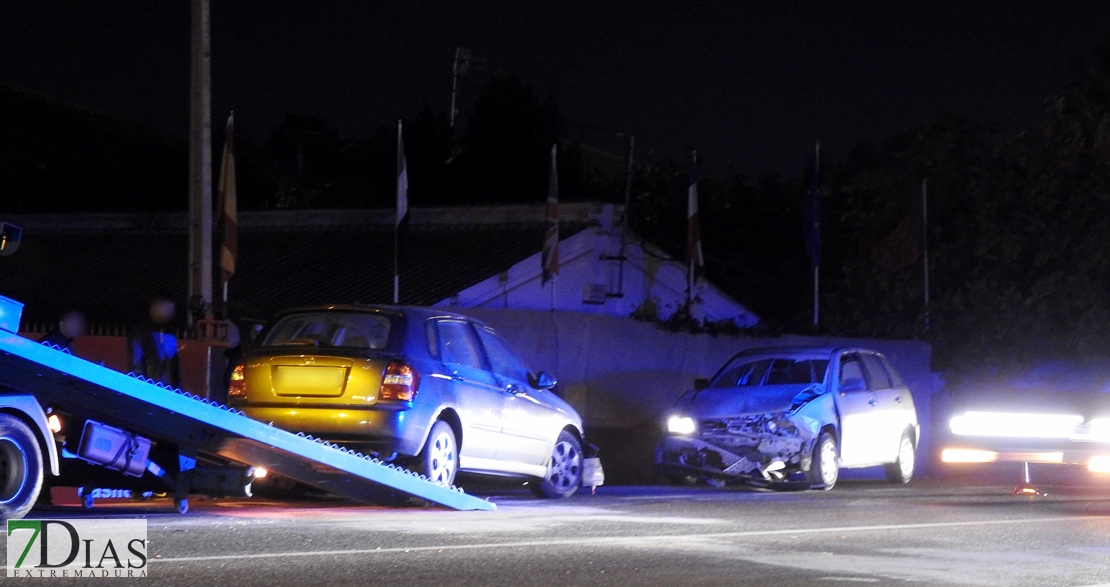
[825, 469]
[564, 475]
[21, 468]
[901, 471]
[440, 460]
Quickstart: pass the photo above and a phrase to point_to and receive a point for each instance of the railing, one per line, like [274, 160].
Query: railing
[40, 328]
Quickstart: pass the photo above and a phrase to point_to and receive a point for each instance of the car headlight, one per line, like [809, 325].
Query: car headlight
[681, 425]
[1098, 429]
[1015, 425]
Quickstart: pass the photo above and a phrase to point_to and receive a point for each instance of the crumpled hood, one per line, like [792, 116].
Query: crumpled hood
[740, 401]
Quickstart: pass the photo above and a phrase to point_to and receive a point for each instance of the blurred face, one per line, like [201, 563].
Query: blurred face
[162, 311]
[72, 325]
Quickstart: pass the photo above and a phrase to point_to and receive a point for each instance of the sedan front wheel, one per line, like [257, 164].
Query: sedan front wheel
[825, 469]
[564, 475]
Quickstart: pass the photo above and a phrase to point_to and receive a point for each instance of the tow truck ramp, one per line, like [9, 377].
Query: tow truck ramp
[200, 427]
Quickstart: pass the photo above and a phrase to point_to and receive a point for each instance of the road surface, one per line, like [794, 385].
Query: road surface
[933, 532]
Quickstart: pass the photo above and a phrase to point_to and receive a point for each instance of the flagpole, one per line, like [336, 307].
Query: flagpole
[925, 246]
[816, 259]
[693, 246]
[397, 227]
[549, 254]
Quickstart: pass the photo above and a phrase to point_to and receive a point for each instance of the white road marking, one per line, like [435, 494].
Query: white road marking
[849, 579]
[632, 540]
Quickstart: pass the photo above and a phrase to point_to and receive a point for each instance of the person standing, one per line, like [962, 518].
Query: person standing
[70, 325]
[152, 347]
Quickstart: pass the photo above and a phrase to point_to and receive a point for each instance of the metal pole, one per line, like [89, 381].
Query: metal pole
[200, 162]
[628, 179]
[454, 85]
[397, 220]
[626, 219]
[817, 264]
[925, 246]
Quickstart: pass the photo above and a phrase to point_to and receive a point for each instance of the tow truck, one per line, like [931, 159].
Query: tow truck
[160, 435]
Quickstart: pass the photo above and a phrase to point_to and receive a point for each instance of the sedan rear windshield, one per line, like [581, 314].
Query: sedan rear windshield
[351, 330]
[756, 371]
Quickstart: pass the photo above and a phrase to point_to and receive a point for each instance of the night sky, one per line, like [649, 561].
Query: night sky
[752, 85]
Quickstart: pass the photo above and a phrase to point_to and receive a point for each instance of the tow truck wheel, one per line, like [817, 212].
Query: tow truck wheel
[565, 473]
[901, 471]
[825, 469]
[21, 469]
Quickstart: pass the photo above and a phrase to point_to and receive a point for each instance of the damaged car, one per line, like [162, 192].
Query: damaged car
[791, 418]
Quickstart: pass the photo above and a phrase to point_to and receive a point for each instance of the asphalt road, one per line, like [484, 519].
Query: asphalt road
[933, 532]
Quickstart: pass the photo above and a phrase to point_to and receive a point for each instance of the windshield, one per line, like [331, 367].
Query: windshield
[754, 371]
[353, 330]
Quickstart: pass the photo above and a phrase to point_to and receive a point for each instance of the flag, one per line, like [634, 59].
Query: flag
[902, 247]
[549, 259]
[813, 216]
[401, 226]
[229, 232]
[693, 226]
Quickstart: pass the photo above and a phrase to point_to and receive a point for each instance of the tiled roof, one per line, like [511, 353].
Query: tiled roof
[109, 273]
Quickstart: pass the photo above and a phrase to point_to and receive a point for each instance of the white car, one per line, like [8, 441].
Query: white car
[793, 417]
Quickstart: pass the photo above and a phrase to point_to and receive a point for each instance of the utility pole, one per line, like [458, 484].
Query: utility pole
[200, 164]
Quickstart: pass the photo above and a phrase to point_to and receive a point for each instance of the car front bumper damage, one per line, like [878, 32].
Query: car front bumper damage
[767, 448]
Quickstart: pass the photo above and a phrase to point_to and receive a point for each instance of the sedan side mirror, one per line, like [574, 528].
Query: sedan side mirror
[700, 383]
[544, 380]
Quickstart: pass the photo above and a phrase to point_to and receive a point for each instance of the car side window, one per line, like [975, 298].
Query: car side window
[877, 377]
[851, 374]
[502, 359]
[895, 378]
[458, 344]
[433, 338]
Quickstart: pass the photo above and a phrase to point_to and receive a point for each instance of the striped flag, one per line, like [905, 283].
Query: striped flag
[549, 259]
[401, 228]
[229, 231]
[693, 226]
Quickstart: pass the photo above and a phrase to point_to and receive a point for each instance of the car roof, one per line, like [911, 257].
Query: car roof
[420, 312]
[810, 350]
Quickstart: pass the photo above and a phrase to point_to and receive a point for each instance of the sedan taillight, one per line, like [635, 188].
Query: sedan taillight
[238, 385]
[399, 383]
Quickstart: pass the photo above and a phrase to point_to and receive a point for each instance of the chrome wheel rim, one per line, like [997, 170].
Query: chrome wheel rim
[441, 459]
[829, 469]
[13, 469]
[566, 466]
[906, 458]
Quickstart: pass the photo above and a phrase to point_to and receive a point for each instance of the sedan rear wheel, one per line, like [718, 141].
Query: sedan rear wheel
[825, 469]
[564, 475]
[440, 460]
[901, 471]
